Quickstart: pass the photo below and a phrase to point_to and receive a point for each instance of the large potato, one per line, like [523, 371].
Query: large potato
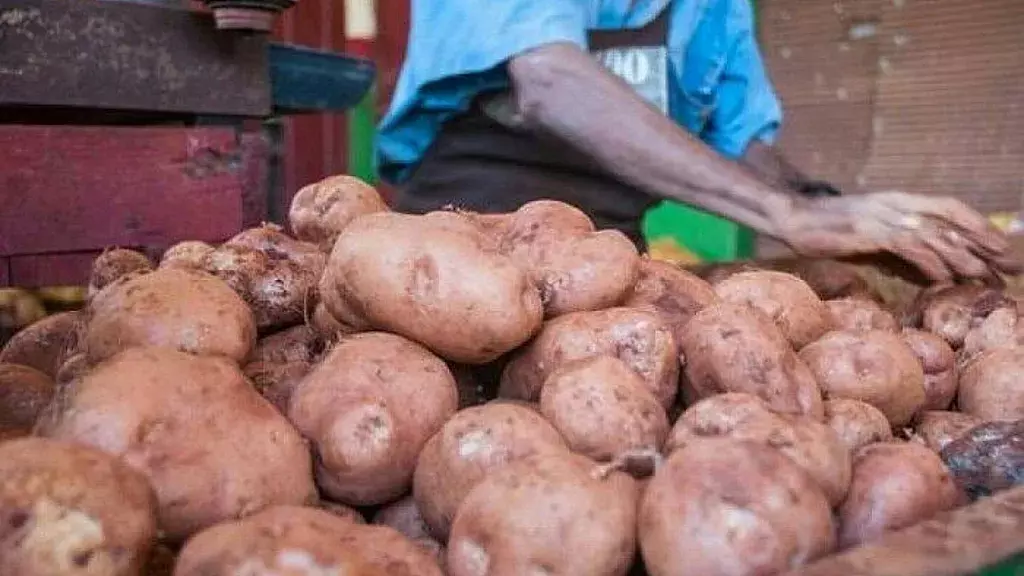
[857, 314]
[727, 507]
[1000, 329]
[293, 540]
[810, 444]
[431, 279]
[602, 408]
[952, 310]
[991, 387]
[320, 211]
[46, 344]
[210, 445]
[547, 514]
[369, 407]
[939, 364]
[675, 293]
[857, 423]
[404, 516]
[937, 428]
[187, 254]
[875, 367]
[280, 361]
[894, 486]
[735, 348]
[987, 458]
[175, 308]
[471, 445]
[71, 510]
[637, 336]
[276, 275]
[575, 267]
[114, 264]
[24, 393]
[787, 300]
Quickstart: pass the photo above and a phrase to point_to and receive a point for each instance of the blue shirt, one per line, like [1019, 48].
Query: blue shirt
[718, 87]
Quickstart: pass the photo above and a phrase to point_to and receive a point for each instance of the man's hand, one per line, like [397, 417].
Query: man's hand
[943, 237]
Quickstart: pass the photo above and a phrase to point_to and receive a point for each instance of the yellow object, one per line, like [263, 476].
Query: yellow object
[668, 250]
[19, 308]
[63, 295]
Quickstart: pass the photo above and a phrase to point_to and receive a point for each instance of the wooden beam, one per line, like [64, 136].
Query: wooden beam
[130, 57]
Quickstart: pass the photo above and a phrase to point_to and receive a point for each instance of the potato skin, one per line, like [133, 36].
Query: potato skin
[798, 312]
[24, 394]
[939, 364]
[937, 428]
[858, 314]
[205, 467]
[810, 444]
[1000, 329]
[757, 512]
[452, 293]
[857, 423]
[471, 445]
[280, 361]
[559, 507]
[404, 517]
[320, 211]
[602, 408]
[188, 254]
[735, 348]
[356, 408]
[675, 293]
[988, 458]
[306, 540]
[875, 367]
[114, 264]
[46, 344]
[575, 267]
[637, 336]
[183, 309]
[990, 385]
[72, 510]
[894, 486]
[950, 311]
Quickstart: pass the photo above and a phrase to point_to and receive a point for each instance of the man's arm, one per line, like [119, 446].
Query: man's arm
[772, 167]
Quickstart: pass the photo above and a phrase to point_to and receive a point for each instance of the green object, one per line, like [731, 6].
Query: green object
[361, 133]
[1011, 567]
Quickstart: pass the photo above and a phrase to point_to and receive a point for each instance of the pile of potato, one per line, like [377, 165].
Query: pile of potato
[467, 394]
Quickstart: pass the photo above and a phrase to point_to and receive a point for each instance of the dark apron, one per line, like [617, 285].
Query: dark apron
[478, 163]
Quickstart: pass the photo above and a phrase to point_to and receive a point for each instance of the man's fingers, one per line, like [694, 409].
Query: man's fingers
[949, 246]
[921, 256]
[973, 225]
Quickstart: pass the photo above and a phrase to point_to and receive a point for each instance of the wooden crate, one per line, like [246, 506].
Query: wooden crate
[70, 192]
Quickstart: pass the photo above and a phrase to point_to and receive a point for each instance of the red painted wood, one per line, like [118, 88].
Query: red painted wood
[68, 189]
[70, 269]
[256, 155]
[5, 272]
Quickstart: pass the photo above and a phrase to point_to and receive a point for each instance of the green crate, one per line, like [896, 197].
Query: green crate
[709, 237]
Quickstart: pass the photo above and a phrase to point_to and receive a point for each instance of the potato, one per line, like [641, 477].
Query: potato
[326, 326]
[728, 507]
[71, 510]
[857, 423]
[431, 279]
[342, 511]
[547, 514]
[602, 408]
[212, 448]
[294, 540]
[368, 408]
[276, 275]
[188, 254]
[404, 516]
[735, 348]
[280, 361]
[937, 428]
[952, 310]
[637, 336]
[575, 267]
[46, 344]
[798, 312]
[939, 364]
[24, 393]
[831, 279]
[18, 309]
[859, 314]
[987, 458]
[1000, 329]
[184, 309]
[472, 444]
[894, 486]
[875, 367]
[114, 264]
[991, 387]
[675, 293]
[320, 211]
[716, 272]
[810, 444]
[74, 367]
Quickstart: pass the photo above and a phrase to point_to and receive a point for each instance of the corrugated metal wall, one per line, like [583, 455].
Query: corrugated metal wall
[921, 95]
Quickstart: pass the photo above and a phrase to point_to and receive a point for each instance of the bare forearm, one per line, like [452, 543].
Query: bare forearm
[773, 168]
[560, 89]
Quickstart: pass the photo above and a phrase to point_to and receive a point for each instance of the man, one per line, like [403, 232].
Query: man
[613, 105]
